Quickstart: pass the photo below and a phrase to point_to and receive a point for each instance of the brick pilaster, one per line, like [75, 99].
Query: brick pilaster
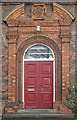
[65, 69]
[65, 35]
[12, 68]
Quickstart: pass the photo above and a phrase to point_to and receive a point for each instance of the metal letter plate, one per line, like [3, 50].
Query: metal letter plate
[31, 89]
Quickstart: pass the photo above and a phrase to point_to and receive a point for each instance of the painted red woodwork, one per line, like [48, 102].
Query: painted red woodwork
[38, 84]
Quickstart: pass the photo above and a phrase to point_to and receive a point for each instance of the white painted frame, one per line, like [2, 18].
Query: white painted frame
[53, 59]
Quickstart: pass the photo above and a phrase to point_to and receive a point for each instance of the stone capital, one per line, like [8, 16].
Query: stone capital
[65, 40]
[65, 35]
[65, 32]
[65, 22]
[12, 36]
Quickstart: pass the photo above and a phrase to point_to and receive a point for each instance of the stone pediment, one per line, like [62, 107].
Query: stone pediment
[38, 12]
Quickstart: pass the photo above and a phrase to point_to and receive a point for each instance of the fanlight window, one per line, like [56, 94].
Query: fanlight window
[39, 52]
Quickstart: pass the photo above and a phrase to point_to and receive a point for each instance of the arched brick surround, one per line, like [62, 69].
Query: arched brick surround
[22, 32]
[57, 52]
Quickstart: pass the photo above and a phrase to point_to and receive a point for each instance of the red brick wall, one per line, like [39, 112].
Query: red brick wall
[21, 33]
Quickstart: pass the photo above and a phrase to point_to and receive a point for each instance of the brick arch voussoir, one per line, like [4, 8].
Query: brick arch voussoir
[57, 52]
[39, 39]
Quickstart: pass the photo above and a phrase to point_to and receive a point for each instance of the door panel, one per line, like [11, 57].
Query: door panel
[45, 81]
[30, 84]
[46, 68]
[31, 81]
[46, 84]
[31, 68]
[38, 84]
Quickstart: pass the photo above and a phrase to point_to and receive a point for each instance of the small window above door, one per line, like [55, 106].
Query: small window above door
[38, 52]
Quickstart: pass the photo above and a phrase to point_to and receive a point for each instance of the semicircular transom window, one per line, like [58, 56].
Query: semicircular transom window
[39, 52]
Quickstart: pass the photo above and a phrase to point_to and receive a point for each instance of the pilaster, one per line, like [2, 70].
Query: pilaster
[65, 36]
[12, 68]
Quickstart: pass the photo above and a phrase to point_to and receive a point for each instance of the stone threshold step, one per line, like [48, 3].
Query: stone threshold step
[38, 111]
[44, 116]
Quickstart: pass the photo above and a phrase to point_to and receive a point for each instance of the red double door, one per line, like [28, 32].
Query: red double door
[38, 84]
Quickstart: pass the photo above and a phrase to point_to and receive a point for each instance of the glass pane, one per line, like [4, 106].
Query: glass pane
[38, 52]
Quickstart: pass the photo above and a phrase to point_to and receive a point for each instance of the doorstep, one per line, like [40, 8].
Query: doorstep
[38, 117]
[38, 111]
[38, 114]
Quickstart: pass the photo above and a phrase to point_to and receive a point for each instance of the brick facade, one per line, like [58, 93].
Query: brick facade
[19, 32]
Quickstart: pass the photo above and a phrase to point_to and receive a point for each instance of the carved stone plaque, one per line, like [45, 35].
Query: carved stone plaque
[39, 11]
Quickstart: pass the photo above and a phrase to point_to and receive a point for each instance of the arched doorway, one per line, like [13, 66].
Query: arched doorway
[38, 77]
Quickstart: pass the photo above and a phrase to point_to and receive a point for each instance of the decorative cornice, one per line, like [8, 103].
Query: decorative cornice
[25, 23]
[40, 23]
[40, 32]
